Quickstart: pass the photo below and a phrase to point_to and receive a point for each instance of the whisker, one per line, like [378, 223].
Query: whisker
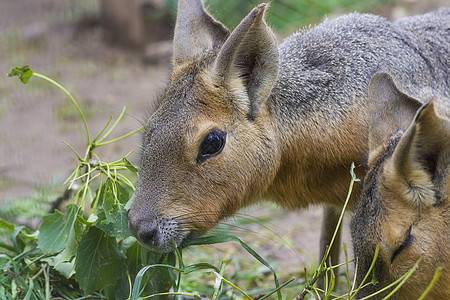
[236, 228]
[141, 122]
[202, 213]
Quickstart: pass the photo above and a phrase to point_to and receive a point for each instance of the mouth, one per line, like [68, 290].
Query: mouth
[162, 236]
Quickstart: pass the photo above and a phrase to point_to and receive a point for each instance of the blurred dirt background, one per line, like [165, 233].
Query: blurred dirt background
[65, 40]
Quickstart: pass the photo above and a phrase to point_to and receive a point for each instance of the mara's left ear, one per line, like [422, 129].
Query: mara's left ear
[248, 60]
[196, 32]
[421, 157]
[390, 109]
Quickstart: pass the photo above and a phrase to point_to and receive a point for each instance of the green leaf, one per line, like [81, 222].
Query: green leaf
[130, 166]
[120, 291]
[118, 227]
[66, 268]
[2, 292]
[134, 258]
[99, 262]
[161, 280]
[56, 229]
[7, 226]
[64, 262]
[23, 73]
[71, 247]
[107, 197]
[123, 192]
[17, 241]
[112, 196]
[145, 283]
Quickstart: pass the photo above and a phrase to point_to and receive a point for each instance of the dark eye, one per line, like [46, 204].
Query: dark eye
[408, 239]
[211, 145]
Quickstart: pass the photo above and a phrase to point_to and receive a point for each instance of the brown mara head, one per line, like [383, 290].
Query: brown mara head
[405, 204]
[209, 148]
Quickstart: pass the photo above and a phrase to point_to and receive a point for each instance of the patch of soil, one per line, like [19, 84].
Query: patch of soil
[37, 118]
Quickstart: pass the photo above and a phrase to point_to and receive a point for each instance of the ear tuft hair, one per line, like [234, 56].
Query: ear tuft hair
[422, 154]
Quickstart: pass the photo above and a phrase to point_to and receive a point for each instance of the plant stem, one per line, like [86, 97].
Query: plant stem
[70, 97]
[120, 137]
[113, 126]
[436, 276]
[6, 246]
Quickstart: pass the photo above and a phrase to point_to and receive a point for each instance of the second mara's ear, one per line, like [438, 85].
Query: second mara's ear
[422, 157]
[249, 59]
[390, 110]
[196, 32]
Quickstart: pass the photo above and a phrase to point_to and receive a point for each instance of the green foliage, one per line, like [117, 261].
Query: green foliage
[30, 207]
[90, 244]
[288, 14]
[99, 262]
[56, 229]
[87, 243]
[284, 15]
[86, 251]
[23, 73]
[25, 271]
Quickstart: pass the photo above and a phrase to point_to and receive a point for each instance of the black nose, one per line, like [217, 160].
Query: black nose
[145, 230]
[149, 235]
[158, 234]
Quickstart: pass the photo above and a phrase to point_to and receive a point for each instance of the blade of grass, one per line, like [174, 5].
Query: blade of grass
[216, 239]
[30, 288]
[6, 246]
[321, 269]
[221, 278]
[405, 277]
[194, 295]
[218, 285]
[398, 283]
[372, 265]
[433, 281]
[347, 268]
[172, 257]
[277, 289]
[189, 269]
[47, 281]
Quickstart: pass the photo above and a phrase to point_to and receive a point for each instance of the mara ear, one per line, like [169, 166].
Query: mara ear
[422, 157]
[196, 32]
[248, 61]
[390, 110]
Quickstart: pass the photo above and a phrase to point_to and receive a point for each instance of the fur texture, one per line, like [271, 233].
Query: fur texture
[294, 115]
[405, 203]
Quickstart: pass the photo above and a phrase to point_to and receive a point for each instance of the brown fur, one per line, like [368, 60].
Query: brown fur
[405, 207]
[330, 148]
[291, 117]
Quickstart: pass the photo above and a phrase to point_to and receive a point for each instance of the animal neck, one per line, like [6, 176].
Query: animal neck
[318, 139]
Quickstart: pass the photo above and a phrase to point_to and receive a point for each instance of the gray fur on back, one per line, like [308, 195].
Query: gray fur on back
[333, 62]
